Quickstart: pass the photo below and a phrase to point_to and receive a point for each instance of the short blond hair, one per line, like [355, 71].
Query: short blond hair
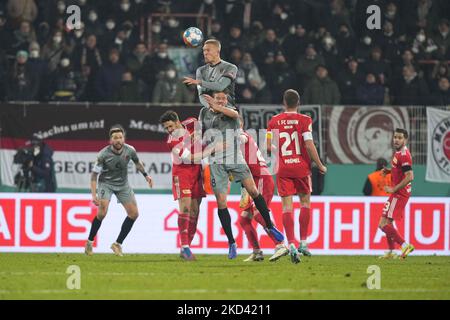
[214, 42]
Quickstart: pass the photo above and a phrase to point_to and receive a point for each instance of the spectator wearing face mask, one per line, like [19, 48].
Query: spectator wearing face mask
[129, 91]
[250, 85]
[363, 48]
[122, 43]
[424, 47]
[345, 42]
[442, 36]
[171, 31]
[126, 11]
[93, 24]
[53, 50]
[22, 84]
[169, 89]
[109, 76]
[388, 42]
[65, 83]
[38, 66]
[294, 45]
[281, 18]
[155, 65]
[330, 53]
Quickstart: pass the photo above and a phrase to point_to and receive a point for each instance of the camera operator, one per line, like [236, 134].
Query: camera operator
[37, 168]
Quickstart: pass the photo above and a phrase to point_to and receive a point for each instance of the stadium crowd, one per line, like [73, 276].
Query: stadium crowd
[323, 48]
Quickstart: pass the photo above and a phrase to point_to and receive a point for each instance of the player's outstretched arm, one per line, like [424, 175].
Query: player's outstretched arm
[312, 151]
[231, 113]
[141, 169]
[94, 176]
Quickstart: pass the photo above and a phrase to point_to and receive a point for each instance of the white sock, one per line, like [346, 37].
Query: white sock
[303, 243]
[184, 247]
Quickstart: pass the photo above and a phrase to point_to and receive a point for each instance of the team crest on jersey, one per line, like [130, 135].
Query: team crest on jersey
[440, 145]
[394, 161]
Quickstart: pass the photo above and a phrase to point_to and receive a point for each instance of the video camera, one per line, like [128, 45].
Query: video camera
[23, 178]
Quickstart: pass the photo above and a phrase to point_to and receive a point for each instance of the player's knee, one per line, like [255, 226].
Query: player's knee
[246, 214]
[253, 192]
[133, 215]
[101, 214]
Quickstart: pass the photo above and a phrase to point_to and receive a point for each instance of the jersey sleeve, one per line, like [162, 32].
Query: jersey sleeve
[99, 162]
[230, 72]
[307, 129]
[406, 162]
[133, 155]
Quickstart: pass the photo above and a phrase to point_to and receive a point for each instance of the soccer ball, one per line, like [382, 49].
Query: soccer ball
[193, 37]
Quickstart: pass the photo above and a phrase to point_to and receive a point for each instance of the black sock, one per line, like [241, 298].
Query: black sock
[225, 220]
[261, 205]
[126, 228]
[94, 228]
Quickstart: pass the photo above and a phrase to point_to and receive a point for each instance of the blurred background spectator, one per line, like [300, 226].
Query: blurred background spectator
[285, 40]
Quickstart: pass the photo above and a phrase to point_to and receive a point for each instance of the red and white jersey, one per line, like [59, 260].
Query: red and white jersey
[252, 154]
[182, 146]
[402, 160]
[291, 130]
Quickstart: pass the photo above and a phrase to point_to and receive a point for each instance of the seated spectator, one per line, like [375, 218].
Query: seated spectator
[109, 76]
[411, 89]
[307, 64]
[441, 97]
[370, 92]
[348, 80]
[22, 84]
[376, 181]
[129, 91]
[170, 89]
[321, 89]
[65, 83]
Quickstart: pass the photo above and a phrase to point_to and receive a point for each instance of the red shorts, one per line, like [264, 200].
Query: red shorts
[395, 207]
[291, 186]
[266, 187]
[188, 184]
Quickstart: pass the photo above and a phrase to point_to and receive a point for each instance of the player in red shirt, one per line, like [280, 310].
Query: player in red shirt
[187, 182]
[292, 132]
[264, 182]
[402, 176]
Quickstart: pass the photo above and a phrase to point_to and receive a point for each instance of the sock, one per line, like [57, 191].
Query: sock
[261, 205]
[258, 218]
[183, 228]
[193, 220]
[404, 245]
[288, 224]
[391, 243]
[392, 233]
[250, 232]
[126, 227]
[304, 222]
[94, 228]
[225, 220]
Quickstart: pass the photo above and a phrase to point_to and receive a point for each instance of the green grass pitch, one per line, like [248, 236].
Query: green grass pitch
[102, 276]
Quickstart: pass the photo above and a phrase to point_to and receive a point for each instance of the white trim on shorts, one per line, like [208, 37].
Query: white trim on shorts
[392, 207]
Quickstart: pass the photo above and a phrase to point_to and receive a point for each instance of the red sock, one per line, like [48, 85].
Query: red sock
[250, 231]
[258, 218]
[288, 223]
[183, 228]
[192, 227]
[304, 222]
[392, 233]
[391, 243]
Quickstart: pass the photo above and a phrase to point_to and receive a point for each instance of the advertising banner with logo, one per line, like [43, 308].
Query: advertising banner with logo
[361, 135]
[77, 133]
[339, 225]
[438, 155]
